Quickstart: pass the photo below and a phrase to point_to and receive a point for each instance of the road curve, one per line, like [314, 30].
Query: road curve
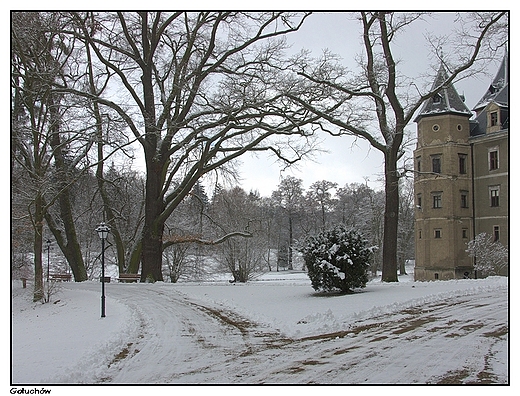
[184, 341]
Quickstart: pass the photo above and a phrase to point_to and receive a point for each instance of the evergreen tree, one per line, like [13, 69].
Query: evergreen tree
[337, 259]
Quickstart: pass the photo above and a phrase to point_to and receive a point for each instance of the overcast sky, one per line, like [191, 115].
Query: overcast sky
[348, 161]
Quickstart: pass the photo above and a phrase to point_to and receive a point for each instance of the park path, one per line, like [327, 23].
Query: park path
[181, 340]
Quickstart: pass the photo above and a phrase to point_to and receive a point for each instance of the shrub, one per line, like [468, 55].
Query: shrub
[492, 258]
[337, 259]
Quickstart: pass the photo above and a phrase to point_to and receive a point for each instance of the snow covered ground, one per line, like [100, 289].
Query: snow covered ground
[274, 330]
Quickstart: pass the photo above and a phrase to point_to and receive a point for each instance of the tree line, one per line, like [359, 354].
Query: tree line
[231, 231]
[191, 92]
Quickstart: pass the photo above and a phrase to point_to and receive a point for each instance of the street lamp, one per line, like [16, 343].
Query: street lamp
[103, 231]
[48, 258]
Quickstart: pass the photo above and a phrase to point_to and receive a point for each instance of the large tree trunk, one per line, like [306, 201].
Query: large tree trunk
[290, 258]
[391, 219]
[38, 293]
[71, 249]
[135, 259]
[151, 244]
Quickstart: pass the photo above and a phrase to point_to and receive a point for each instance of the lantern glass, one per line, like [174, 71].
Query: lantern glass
[103, 231]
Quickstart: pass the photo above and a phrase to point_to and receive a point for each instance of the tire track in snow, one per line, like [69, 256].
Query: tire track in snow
[405, 347]
[186, 341]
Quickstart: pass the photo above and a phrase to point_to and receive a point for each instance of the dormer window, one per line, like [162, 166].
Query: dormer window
[493, 118]
[437, 98]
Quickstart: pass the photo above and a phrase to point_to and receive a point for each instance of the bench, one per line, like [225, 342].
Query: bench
[61, 277]
[129, 277]
[106, 279]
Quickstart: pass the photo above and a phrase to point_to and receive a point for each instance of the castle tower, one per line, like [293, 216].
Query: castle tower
[443, 185]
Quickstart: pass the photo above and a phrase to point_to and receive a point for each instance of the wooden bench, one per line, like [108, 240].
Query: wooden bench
[61, 277]
[129, 278]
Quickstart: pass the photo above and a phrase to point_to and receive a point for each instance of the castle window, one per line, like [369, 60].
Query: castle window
[462, 164]
[437, 202]
[418, 164]
[436, 164]
[419, 201]
[420, 234]
[436, 127]
[437, 233]
[436, 276]
[464, 199]
[496, 233]
[464, 233]
[493, 118]
[494, 195]
[493, 159]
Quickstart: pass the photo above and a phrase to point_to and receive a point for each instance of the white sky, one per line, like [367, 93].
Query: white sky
[348, 161]
[345, 159]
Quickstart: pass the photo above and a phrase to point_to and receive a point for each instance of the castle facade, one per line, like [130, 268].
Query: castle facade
[461, 167]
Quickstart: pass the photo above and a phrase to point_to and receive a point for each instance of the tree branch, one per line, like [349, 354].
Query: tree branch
[175, 239]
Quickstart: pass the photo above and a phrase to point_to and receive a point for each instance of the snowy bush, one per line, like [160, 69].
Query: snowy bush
[491, 256]
[337, 259]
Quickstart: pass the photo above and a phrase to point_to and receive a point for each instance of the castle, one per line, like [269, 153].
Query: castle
[461, 167]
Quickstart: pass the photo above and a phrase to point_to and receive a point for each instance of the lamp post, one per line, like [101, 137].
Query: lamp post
[103, 231]
[48, 258]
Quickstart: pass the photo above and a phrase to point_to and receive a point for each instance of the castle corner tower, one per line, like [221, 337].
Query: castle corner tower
[443, 185]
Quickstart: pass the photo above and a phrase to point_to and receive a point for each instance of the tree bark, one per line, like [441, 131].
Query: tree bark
[135, 259]
[391, 219]
[290, 258]
[71, 249]
[38, 243]
[151, 250]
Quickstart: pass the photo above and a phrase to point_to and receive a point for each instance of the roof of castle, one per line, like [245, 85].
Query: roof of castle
[447, 100]
[498, 91]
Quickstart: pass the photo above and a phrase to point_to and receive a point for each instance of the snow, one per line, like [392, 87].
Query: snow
[275, 329]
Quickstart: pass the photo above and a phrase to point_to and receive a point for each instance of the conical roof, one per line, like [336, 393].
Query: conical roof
[498, 91]
[447, 100]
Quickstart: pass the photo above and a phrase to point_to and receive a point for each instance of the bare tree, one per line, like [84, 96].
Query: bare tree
[197, 90]
[59, 138]
[234, 209]
[289, 197]
[491, 257]
[406, 229]
[360, 207]
[371, 103]
[319, 196]
[176, 259]
[39, 148]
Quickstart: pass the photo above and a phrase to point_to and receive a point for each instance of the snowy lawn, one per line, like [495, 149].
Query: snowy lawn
[167, 329]
[288, 302]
